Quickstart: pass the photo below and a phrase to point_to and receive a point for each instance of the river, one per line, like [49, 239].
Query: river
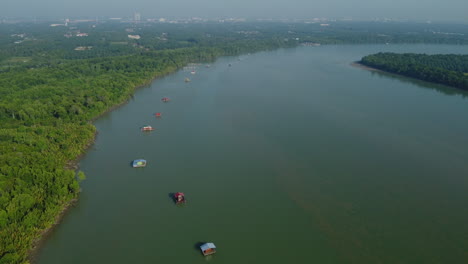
[287, 156]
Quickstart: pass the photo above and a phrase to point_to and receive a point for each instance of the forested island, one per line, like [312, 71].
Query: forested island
[450, 69]
[55, 80]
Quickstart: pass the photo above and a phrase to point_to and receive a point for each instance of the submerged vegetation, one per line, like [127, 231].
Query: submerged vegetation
[448, 69]
[54, 80]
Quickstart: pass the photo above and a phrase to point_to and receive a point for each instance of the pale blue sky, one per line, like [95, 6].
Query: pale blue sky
[435, 10]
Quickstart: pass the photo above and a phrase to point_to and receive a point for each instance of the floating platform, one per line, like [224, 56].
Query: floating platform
[179, 198]
[147, 128]
[139, 163]
[208, 249]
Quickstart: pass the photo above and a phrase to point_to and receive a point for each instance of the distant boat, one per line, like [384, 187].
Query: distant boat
[187, 80]
[147, 128]
[138, 163]
[192, 72]
[165, 99]
[157, 115]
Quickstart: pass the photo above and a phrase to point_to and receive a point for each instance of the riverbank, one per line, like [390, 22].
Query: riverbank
[364, 67]
[42, 238]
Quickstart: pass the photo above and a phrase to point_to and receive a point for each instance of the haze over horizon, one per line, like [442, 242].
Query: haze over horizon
[432, 10]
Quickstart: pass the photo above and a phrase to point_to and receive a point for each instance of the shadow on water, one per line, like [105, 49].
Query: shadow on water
[171, 196]
[443, 89]
[197, 246]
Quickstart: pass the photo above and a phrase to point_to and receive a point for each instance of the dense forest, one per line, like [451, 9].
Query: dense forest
[448, 69]
[54, 80]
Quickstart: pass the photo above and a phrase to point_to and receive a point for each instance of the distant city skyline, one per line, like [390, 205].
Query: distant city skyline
[414, 10]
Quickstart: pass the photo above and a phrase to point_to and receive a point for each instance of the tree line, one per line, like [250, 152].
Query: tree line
[449, 69]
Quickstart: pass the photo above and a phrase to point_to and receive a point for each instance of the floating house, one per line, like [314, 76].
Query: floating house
[208, 249]
[179, 198]
[147, 128]
[138, 163]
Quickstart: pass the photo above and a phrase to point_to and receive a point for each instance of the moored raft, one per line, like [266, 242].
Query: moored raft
[179, 197]
[147, 128]
[208, 249]
[138, 163]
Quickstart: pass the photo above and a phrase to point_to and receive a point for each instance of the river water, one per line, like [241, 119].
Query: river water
[289, 156]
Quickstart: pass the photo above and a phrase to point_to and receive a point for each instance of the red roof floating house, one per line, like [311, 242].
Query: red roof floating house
[179, 197]
[147, 128]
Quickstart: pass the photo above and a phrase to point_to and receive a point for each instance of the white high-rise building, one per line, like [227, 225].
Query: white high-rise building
[136, 17]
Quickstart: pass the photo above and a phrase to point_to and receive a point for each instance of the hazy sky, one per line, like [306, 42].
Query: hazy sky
[435, 10]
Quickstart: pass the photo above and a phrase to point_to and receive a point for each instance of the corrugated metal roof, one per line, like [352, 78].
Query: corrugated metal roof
[207, 246]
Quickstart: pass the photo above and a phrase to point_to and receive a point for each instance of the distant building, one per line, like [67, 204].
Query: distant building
[136, 17]
[81, 48]
[134, 36]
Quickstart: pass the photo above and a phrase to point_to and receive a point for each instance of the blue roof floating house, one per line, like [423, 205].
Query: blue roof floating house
[138, 163]
[208, 249]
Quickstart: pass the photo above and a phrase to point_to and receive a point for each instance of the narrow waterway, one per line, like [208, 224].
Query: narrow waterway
[289, 156]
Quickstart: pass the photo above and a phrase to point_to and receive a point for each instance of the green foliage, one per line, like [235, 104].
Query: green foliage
[447, 69]
[49, 91]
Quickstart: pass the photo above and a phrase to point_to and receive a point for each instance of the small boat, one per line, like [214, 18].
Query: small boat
[208, 249]
[139, 163]
[165, 99]
[157, 114]
[147, 128]
[187, 80]
[179, 197]
[192, 72]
